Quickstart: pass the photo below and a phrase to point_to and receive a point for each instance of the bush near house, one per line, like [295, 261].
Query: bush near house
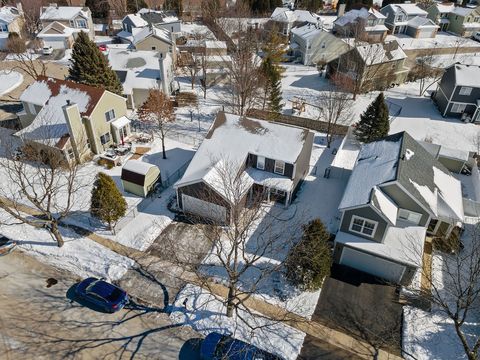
[309, 262]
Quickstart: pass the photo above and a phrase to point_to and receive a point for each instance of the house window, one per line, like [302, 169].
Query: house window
[410, 216]
[154, 48]
[105, 138]
[458, 108]
[261, 162]
[110, 115]
[476, 19]
[363, 226]
[71, 155]
[31, 108]
[81, 23]
[323, 45]
[465, 90]
[3, 28]
[279, 167]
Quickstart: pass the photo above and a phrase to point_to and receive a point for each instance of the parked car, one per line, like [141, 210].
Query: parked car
[224, 347]
[47, 50]
[104, 49]
[6, 245]
[102, 294]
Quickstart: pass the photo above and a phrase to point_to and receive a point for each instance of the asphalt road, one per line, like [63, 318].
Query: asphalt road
[38, 321]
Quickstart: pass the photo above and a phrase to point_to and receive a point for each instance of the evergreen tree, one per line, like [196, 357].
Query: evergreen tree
[272, 85]
[100, 9]
[309, 262]
[134, 5]
[374, 122]
[310, 5]
[90, 66]
[175, 5]
[107, 202]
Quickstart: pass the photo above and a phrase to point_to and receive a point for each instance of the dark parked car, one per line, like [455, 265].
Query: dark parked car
[224, 347]
[106, 296]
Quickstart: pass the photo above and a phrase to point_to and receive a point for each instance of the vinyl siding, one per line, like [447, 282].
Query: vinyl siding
[368, 213]
[404, 201]
[303, 161]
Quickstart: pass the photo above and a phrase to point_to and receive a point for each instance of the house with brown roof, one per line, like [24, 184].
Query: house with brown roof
[78, 120]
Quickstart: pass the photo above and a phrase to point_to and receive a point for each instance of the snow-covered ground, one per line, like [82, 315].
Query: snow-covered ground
[443, 61]
[79, 255]
[431, 335]
[205, 314]
[442, 40]
[9, 80]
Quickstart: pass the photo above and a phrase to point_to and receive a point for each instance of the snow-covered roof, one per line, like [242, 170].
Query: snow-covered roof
[385, 205]
[141, 67]
[419, 21]
[270, 180]
[467, 75]
[306, 31]
[456, 154]
[37, 93]
[136, 20]
[120, 122]
[462, 11]
[403, 244]
[62, 12]
[8, 14]
[445, 7]
[232, 137]
[409, 9]
[138, 166]
[352, 15]
[282, 14]
[153, 31]
[210, 44]
[157, 16]
[55, 29]
[382, 52]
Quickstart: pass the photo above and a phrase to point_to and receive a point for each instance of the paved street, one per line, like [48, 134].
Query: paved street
[41, 322]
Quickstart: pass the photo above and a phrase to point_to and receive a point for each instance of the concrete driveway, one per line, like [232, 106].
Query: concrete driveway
[39, 321]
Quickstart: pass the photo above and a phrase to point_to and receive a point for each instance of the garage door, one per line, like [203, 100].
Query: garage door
[381, 268]
[204, 208]
[56, 43]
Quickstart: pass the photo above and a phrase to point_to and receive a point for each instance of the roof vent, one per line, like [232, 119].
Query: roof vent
[68, 102]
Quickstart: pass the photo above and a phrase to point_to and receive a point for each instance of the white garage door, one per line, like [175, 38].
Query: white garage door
[56, 43]
[204, 209]
[373, 265]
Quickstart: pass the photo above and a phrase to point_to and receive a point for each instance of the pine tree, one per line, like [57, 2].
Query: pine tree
[374, 122]
[90, 66]
[272, 86]
[175, 5]
[309, 262]
[107, 202]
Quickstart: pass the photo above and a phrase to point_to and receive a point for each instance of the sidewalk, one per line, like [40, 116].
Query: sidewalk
[152, 269]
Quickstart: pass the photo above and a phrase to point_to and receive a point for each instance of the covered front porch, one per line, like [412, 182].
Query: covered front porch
[271, 187]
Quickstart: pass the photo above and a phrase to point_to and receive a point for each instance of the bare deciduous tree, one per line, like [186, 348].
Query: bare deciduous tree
[425, 71]
[157, 111]
[25, 59]
[335, 108]
[119, 7]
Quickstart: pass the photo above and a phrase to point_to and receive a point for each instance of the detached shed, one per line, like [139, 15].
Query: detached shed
[139, 177]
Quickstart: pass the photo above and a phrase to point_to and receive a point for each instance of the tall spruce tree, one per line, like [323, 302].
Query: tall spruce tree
[272, 86]
[374, 122]
[90, 66]
[107, 203]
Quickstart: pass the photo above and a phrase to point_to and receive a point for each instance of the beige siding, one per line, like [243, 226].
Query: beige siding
[78, 133]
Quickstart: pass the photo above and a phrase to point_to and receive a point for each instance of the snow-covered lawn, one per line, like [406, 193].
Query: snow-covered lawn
[9, 80]
[431, 335]
[206, 314]
[79, 255]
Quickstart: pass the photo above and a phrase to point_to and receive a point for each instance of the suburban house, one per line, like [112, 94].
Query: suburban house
[397, 194]
[133, 23]
[364, 24]
[73, 118]
[61, 24]
[11, 21]
[312, 45]
[458, 92]
[269, 159]
[465, 21]
[142, 70]
[409, 19]
[285, 19]
[439, 13]
[372, 66]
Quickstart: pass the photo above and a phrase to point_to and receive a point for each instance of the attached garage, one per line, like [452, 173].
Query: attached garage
[139, 177]
[55, 42]
[204, 209]
[371, 264]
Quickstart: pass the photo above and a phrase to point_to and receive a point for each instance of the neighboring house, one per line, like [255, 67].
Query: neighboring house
[439, 13]
[134, 23]
[60, 24]
[409, 19]
[458, 92]
[397, 194]
[73, 118]
[372, 66]
[465, 21]
[270, 159]
[284, 19]
[364, 24]
[11, 21]
[140, 71]
[313, 46]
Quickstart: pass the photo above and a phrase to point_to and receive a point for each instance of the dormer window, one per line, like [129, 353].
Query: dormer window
[409, 216]
[3, 28]
[261, 162]
[279, 167]
[81, 24]
[363, 226]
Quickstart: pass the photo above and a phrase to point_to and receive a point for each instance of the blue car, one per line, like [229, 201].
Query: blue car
[224, 347]
[106, 296]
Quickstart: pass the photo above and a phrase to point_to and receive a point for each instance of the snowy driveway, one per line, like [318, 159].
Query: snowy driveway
[41, 322]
